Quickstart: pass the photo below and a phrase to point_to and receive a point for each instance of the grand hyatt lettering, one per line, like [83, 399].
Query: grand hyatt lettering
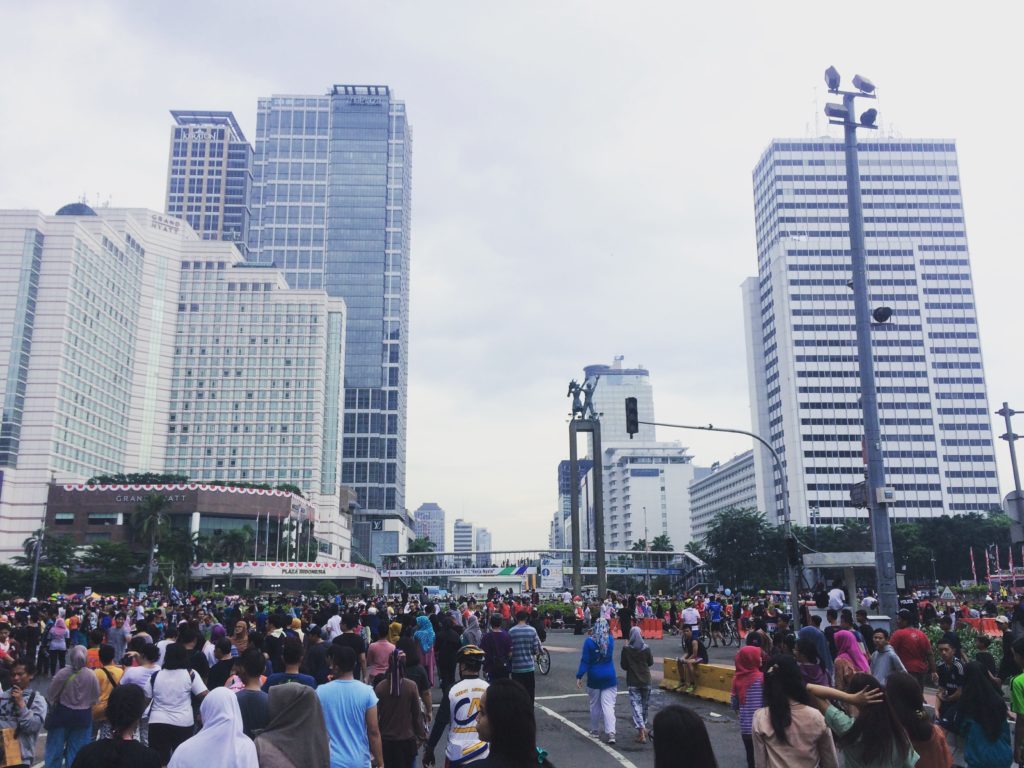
[140, 499]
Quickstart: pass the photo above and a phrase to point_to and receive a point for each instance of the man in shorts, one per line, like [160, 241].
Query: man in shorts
[714, 613]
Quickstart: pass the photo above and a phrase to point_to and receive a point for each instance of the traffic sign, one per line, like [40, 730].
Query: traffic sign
[947, 594]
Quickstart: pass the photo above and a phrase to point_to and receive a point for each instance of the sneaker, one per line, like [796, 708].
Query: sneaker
[611, 738]
[595, 735]
[690, 689]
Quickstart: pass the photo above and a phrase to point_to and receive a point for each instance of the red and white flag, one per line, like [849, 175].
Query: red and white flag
[974, 572]
[1013, 576]
[998, 567]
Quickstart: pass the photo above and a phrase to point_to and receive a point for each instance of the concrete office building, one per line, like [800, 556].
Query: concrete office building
[109, 334]
[482, 542]
[464, 540]
[564, 514]
[331, 208]
[804, 381]
[732, 485]
[209, 175]
[646, 488]
[429, 523]
[256, 392]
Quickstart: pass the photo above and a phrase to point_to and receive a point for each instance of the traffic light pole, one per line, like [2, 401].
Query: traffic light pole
[787, 526]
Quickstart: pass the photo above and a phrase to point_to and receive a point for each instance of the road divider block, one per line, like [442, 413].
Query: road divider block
[714, 681]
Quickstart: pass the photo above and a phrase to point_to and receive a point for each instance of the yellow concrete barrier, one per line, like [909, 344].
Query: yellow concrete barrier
[714, 681]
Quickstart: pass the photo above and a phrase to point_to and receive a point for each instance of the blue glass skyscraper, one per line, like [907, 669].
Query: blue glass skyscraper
[330, 207]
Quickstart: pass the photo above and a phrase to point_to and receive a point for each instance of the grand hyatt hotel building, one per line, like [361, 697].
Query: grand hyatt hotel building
[134, 346]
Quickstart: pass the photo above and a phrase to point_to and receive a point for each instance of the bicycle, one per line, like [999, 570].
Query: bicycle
[543, 660]
[730, 634]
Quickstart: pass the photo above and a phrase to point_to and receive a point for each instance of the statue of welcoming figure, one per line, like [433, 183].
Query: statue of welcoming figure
[583, 409]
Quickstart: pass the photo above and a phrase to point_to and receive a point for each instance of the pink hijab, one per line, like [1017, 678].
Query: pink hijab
[848, 648]
[59, 629]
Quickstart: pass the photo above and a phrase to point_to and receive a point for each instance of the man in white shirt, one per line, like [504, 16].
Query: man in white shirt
[836, 599]
[333, 628]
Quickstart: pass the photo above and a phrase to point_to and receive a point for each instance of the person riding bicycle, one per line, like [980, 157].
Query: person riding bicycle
[460, 708]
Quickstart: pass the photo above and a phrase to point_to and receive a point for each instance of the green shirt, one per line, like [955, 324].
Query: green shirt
[1017, 694]
[840, 723]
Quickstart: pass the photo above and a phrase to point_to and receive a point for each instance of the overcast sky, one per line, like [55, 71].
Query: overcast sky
[581, 181]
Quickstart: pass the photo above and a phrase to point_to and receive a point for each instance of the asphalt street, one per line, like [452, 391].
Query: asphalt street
[563, 714]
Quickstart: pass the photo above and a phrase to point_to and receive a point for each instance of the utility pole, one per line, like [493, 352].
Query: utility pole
[878, 493]
[1015, 499]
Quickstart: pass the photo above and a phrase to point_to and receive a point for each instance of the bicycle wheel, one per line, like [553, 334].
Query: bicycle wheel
[729, 635]
[544, 661]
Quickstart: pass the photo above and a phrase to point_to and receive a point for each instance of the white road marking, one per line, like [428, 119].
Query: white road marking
[619, 758]
[570, 696]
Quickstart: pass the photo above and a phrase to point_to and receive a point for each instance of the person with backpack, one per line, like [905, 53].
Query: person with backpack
[23, 709]
[497, 645]
[73, 691]
[171, 719]
[108, 675]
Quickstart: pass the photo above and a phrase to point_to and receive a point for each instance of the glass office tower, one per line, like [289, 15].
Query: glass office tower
[209, 175]
[330, 207]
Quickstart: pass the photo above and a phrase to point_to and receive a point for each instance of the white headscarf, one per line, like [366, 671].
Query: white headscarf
[221, 743]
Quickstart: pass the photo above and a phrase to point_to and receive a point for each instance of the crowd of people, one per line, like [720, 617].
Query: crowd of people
[336, 682]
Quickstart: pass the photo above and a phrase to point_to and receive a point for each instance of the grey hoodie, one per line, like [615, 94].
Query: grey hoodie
[28, 721]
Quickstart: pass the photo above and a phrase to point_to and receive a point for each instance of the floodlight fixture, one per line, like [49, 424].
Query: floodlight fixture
[837, 112]
[867, 119]
[881, 314]
[832, 78]
[863, 85]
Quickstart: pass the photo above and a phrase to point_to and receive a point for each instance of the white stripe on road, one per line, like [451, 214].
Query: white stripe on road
[570, 696]
[618, 757]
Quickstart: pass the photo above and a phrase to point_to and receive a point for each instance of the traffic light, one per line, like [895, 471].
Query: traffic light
[632, 417]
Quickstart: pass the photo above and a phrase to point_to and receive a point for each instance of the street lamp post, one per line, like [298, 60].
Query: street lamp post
[878, 494]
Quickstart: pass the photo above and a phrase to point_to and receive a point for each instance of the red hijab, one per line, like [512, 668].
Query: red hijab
[748, 671]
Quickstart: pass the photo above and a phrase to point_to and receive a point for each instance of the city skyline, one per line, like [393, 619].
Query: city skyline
[535, 245]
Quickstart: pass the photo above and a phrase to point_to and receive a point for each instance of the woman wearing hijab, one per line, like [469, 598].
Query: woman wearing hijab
[637, 660]
[425, 638]
[73, 692]
[472, 635]
[398, 712]
[596, 663]
[58, 646]
[850, 658]
[748, 694]
[221, 742]
[817, 637]
[296, 627]
[394, 632]
[295, 736]
[240, 637]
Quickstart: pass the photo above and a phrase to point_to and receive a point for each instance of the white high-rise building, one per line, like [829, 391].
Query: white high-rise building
[732, 485]
[612, 385]
[429, 524]
[646, 494]
[132, 346]
[464, 539]
[483, 544]
[804, 381]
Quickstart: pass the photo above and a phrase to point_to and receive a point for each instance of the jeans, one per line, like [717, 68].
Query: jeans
[748, 745]
[639, 702]
[58, 659]
[400, 754]
[60, 739]
[602, 708]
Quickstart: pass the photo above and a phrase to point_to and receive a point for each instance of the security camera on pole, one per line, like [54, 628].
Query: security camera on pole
[878, 494]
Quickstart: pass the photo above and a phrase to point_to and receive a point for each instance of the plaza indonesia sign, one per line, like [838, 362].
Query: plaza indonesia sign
[259, 569]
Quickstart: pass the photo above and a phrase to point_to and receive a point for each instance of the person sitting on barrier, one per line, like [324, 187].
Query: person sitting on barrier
[694, 653]
[681, 736]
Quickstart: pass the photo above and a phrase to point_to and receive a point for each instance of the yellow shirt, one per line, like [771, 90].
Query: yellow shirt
[99, 709]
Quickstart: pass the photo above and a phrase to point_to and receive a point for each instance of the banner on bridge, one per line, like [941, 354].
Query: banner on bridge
[401, 573]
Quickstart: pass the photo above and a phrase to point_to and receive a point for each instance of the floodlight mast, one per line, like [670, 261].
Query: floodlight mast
[881, 533]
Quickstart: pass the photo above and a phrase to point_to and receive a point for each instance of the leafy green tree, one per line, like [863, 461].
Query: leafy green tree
[662, 543]
[108, 564]
[326, 588]
[422, 544]
[233, 546]
[743, 550]
[57, 550]
[150, 522]
[640, 545]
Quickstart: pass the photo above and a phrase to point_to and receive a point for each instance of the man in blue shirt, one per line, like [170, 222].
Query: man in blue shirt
[714, 610]
[350, 713]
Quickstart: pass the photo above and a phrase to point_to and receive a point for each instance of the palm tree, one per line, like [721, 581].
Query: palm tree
[422, 544]
[662, 543]
[233, 546]
[151, 520]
